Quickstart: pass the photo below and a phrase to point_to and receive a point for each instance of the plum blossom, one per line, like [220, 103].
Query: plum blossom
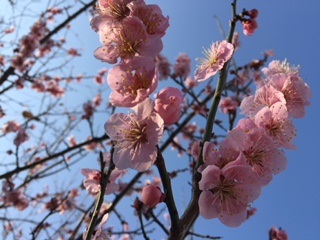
[101, 232]
[260, 151]
[296, 93]
[167, 104]
[92, 182]
[11, 126]
[277, 66]
[88, 109]
[249, 26]
[228, 105]
[15, 198]
[21, 137]
[132, 81]
[125, 40]
[277, 124]
[222, 154]
[152, 17]
[182, 67]
[227, 192]
[163, 67]
[115, 9]
[135, 136]
[215, 57]
[277, 234]
[266, 95]
[151, 195]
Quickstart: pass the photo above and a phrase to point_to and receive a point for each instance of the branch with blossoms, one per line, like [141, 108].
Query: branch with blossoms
[227, 176]
[227, 159]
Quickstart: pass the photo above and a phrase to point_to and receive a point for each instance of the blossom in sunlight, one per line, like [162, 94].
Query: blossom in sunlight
[277, 66]
[135, 136]
[260, 151]
[277, 124]
[168, 103]
[132, 81]
[152, 17]
[215, 57]
[296, 93]
[115, 9]
[126, 40]
[227, 192]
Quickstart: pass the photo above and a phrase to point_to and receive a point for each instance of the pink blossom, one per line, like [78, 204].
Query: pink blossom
[97, 100]
[151, 195]
[276, 123]
[115, 9]
[296, 93]
[132, 81]
[73, 52]
[215, 58]
[266, 95]
[54, 89]
[227, 192]
[135, 136]
[21, 137]
[152, 17]
[163, 67]
[191, 82]
[88, 108]
[91, 146]
[228, 105]
[15, 198]
[182, 67]
[72, 141]
[260, 151]
[126, 40]
[167, 105]
[277, 234]
[92, 182]
[11, 126]
[276, 67]
[249, 26]
[38, 86]
[221, 155]
[253, 13]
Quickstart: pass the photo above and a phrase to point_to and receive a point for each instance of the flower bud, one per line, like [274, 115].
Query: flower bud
[249, 26]
[167, 104]
[151, 195]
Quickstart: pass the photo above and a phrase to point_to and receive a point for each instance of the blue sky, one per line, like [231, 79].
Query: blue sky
[291, 30]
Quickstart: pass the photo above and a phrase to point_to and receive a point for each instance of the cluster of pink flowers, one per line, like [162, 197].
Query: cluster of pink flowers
[235, 171]
[28, 44]
[13, 197]
[131, 33]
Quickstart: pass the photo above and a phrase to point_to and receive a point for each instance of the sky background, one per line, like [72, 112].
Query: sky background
[291, 30]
